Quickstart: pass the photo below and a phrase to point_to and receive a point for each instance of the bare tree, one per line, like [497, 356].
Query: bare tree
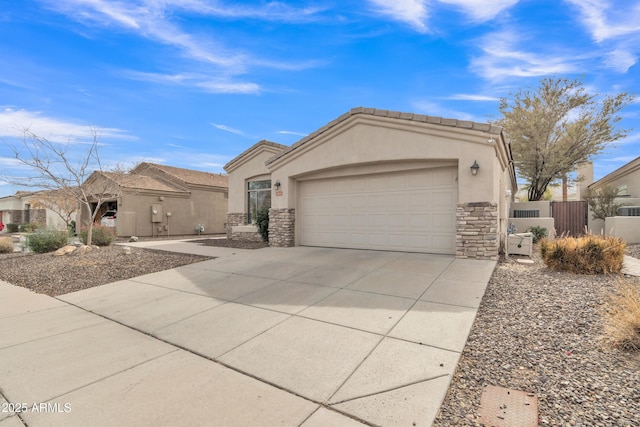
[57, 168]
[556, 127]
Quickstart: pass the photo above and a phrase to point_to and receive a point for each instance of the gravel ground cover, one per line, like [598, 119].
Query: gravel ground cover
[540, 331]
[57, 275]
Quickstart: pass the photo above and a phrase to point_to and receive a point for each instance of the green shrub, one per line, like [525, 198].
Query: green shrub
[584, 255]
[43, 240]
[538, 233]
[72, 228]
[6, 245]
[621, 319]
[101, 236]
[13, 228]
[28, 227]
[262, 222]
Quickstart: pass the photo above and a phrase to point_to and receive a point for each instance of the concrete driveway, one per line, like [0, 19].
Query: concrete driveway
[277, 336]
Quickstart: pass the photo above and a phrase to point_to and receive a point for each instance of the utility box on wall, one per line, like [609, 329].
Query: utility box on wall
[156, 213]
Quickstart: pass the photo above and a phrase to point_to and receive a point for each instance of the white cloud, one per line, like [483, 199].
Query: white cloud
[215, 86]
[620, 60]
[152, 19]
[472, 97]
[228, 129]
[271, 11]
[620, 159]
[481, 10]
[13, 123]
[630, 139]
[502, 58]
[289, 132]
[434, 109]
[606, 20]
[411, 12]
[200, 81]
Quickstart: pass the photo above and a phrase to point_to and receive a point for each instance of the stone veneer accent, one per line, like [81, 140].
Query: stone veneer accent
[282, 227]
[477, 230]
[233, 219]
[247, 236]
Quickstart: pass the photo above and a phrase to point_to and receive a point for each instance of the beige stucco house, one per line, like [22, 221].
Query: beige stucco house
[627, 224]
[378, 179]
[47, 209]
[154, 200]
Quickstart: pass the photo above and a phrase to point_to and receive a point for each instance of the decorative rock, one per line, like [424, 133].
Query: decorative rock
[65, 250]
[133, 239]
[126, 250]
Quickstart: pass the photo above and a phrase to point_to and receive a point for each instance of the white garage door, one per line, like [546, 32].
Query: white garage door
[409, 211]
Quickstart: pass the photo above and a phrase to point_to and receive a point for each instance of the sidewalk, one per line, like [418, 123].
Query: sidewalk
[631, 266]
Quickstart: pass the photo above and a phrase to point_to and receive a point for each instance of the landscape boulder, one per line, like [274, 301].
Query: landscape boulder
[65, 250]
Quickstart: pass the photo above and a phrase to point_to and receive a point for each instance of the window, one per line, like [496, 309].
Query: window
[259, 197]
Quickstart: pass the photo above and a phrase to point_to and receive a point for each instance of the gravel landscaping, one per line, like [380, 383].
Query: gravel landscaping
[57, 275]
[540, 332]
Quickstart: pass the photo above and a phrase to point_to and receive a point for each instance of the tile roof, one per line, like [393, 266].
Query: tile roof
[464, 124]
[248, 153]
[186, 176]
[142, 182]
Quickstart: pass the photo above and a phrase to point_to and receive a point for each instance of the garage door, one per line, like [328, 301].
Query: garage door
[409, 211]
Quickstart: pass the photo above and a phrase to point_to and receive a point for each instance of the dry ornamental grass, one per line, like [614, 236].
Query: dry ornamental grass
[621, 315]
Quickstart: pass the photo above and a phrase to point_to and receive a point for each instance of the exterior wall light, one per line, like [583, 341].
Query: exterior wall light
[277, 185]
[474, 168]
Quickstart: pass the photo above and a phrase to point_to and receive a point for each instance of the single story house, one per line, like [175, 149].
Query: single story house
[154, 200]
[46, 209]
[627, 224]
[626, 179]
[378, 179]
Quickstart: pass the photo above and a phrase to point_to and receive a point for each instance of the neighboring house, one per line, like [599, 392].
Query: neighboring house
[154, 200]
[37, 207]
[378, 179]
[627, 224]
[626, 179]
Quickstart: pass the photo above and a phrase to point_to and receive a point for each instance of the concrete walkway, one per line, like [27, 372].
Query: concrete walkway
[631, 266]
[276, 336]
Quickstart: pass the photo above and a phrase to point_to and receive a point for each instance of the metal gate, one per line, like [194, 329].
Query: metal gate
[569, 218]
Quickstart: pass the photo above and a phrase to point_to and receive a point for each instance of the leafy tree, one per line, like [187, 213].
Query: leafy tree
[556, 127]
[58, 168]
[603, 202]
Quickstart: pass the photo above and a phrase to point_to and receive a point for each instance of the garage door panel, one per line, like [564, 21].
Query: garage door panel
[411, 211]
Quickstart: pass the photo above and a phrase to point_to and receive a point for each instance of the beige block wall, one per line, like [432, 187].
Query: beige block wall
[626, 227]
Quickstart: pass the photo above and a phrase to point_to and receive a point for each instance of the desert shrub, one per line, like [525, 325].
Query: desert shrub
[621, 318]
[28, 227]
[590, 254]
[6, 245]
[538, 233]
[13, 228]
[262, 222]
[43, 240]
[101, 236]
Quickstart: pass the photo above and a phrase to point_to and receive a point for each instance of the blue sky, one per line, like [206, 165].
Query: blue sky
[193, 83]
